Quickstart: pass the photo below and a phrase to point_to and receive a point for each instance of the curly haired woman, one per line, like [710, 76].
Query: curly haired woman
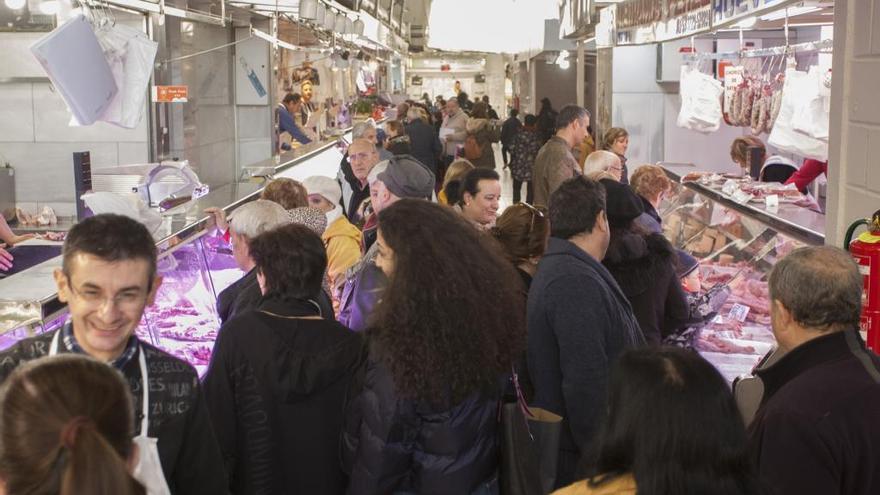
[425, 419]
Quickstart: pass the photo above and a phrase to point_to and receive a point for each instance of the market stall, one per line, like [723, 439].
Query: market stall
[195, 265]
[738, 232]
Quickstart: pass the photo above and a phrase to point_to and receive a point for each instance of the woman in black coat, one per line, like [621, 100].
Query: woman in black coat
[643, 264]
[278, 376]
[425, 418]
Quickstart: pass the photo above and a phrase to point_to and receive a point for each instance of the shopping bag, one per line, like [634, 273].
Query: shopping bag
[529, 447]
[700, 101]
[784, 136]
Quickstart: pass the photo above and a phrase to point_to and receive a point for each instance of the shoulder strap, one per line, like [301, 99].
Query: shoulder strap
[862, 355]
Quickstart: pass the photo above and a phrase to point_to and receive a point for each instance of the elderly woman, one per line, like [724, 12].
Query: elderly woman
[480, 194]
[616, 140]
[652, 185]
[604, 162]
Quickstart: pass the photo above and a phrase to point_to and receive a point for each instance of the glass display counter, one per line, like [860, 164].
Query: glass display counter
[737, 245]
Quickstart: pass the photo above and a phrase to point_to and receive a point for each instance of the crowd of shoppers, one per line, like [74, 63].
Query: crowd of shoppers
[369, 344]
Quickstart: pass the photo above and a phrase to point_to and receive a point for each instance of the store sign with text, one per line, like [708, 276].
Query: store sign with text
[725, 11]
[170, 94]
[655, 21]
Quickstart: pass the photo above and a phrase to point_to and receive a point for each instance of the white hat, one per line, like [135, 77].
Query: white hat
[325, 186]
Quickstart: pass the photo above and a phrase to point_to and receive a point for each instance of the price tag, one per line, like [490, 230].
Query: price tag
[739, 313]
[772, 201]
[741, 197]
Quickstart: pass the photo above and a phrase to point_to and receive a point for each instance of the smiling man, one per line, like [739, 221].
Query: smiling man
[108, 277]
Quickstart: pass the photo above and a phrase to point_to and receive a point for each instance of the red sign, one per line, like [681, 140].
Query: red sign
[170, 94]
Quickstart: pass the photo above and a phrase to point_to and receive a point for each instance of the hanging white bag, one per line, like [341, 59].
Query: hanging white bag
[784, 136]
[700, 101]
[812, 116]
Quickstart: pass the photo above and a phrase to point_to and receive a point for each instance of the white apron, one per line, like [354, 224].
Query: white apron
[148, 469]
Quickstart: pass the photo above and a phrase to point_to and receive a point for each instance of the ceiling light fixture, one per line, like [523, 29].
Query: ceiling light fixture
[15, 4]
[322, 12]
[308, 9]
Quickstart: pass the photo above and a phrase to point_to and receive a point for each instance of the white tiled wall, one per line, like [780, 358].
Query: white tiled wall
[854, 176]
[37, 141]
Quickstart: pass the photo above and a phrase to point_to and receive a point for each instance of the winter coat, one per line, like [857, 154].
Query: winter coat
[364, 283]
[485, 134]
[424, 142]
[650, 220]
[240, 296]
[554, 165]
[509, 130]
[547, 123]
[276, 389]
[245, 294]
[579, 321]
[624, 484]
[523, 151]
[644, 268]
[391, 444]
[343, 243]
[816, 431]
[188, 449]
[457, 123]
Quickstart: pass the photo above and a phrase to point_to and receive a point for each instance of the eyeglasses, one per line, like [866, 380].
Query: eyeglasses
[535, 213]
[128, 300]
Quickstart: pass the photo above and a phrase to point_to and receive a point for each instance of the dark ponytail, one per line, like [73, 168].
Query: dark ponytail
[66, 425]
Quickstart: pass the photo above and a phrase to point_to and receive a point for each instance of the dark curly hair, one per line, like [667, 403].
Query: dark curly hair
[292, 258]
[445, 335]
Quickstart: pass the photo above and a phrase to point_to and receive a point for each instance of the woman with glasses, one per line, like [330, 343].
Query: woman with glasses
[523, 231]
[425, 418]
[480, 195]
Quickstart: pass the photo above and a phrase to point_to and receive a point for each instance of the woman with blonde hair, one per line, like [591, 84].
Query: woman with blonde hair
[286, 192]
[454, 174]
[651, 184]
[616, 140]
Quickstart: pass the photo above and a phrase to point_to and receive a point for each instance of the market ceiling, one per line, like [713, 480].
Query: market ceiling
[495, 26]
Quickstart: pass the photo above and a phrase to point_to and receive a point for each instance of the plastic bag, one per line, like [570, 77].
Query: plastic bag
[700, 101]
[129, 205]
[784, 136]
[130, 55]
[811, 117]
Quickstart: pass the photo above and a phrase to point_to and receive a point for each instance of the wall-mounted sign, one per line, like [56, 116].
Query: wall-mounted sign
[727, 11]
[480, 78]
[170, 94]
[656, 21]
[416, 81]
[574, 18]
[445, 68]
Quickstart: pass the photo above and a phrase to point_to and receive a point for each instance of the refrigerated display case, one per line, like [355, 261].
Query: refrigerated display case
[737, 244]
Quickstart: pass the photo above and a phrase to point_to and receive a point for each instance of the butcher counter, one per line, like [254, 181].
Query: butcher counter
[195, 264]
[737, 240]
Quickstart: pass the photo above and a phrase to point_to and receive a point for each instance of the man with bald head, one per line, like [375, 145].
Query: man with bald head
[816, 431]
[362, 157]
[603, 161]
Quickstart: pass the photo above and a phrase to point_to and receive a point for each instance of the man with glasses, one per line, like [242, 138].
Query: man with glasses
[362, 157]
[604, 161]
[108, 277]
[555, 164]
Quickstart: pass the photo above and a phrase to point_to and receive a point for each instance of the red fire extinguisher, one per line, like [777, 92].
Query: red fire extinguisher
[866, 251]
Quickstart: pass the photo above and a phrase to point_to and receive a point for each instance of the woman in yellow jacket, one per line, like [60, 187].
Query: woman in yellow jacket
[341, 238]
[672, 428]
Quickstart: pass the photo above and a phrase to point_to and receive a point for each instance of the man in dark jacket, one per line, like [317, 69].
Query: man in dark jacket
[279, 374]
[508, 131]
[816, 430]
[356, 165]
[579, 320]
[424, 143]
[107, 277]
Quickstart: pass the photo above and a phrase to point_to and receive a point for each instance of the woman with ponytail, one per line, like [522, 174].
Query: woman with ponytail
[66, 427]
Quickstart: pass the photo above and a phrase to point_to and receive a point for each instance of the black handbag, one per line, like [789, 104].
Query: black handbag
[529, 446]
